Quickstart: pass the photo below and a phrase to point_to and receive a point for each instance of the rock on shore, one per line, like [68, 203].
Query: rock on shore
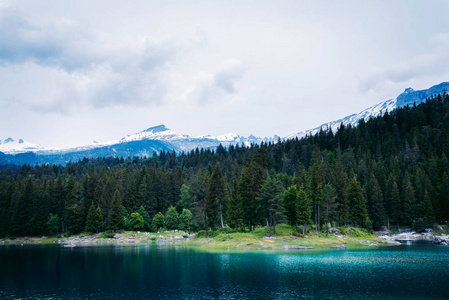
[441, 240]
[293, 247]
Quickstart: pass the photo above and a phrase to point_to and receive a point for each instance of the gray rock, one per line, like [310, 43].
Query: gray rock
[440, 240]
[117, 236]
[294, 247]
[333, 231]
[339, 247]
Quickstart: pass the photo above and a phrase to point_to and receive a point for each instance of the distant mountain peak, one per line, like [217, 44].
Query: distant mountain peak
[8, 140]
[156, 129]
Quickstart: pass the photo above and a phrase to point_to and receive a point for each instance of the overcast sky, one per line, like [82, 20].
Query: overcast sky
[76, 71]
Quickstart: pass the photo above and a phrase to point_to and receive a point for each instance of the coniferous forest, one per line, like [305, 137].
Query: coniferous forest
[392, 170]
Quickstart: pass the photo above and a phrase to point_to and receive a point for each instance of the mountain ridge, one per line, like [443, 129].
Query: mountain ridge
[161, 138]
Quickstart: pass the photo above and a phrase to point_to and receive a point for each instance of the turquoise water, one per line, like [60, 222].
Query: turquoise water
[166, 272]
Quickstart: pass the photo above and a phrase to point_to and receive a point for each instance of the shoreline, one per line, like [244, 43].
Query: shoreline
[235, 242]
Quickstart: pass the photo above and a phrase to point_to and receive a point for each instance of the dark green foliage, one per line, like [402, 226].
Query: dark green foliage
[290, 198]
[146, 218]
[376, 203]
[235, 208]
[136, 221]
[171, 218]
[405, 151]
[53, 224]
[115, 217]
[185, 220]
[303, 209]
[185, 200]
[270, 198]
[358, 212]
[216, 198]
[94, 221]
[158, 221]
[330, 204]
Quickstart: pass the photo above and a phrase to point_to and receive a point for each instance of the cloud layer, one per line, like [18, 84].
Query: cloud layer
[62, 65]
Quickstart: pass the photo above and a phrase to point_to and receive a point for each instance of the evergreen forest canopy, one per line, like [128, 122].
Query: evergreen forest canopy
[390, 170]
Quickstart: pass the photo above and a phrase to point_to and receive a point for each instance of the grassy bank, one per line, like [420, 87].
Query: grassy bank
[220, 240]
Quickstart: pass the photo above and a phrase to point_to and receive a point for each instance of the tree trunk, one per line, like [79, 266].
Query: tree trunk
[205, 223]
[221, 216]
[388, 222]
[270, 224]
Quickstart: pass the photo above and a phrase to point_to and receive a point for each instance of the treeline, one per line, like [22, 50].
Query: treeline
[390, 170]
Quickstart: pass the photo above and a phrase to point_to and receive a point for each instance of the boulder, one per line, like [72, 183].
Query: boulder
[339, 247]
[440, 240]
[333, 231]
[293, 247]
[117, 236]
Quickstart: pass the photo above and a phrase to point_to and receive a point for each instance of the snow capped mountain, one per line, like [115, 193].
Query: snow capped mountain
[158, 138]
[11, 146]
[143, 143]
[408, 97]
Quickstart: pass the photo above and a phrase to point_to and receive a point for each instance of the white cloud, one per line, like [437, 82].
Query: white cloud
[79, 66]
[214, 86]
[433, 63]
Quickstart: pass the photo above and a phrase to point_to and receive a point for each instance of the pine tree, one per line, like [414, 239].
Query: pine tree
[290, 198]
[358, 211]
[171, 218]
[185, 200]
[185, 220]
[216, 198]
[330, 204]
[395, 201]
[303, 209]
[376, 206]
[270, 197]
[158, 221]
[428, 211]
[115, 217]
[136, 221]
[235, 209]
[146, 218]
[250, 184]
[94, 221]
[409, 200]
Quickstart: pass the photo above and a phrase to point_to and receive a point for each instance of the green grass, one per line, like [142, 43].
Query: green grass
[229, 240]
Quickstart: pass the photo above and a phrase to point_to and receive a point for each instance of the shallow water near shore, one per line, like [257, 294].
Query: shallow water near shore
[165, 272]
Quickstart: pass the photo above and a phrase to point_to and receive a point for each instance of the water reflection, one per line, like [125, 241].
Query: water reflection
[153, 271]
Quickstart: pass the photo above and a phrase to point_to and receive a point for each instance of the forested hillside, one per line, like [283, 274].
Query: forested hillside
[391, 170]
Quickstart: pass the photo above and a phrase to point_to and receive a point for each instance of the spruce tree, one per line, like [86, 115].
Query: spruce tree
[330, 204]
[303, 209]
[146, 218]
[94, 221]
[270, 198]
[136, 221]
[171, 218]
[115, 217]
[158, 221]
[290, 198]
[376, 203]
[185, 220]
[235, 209]
[427, 208]
[358, 211]
[216, 198]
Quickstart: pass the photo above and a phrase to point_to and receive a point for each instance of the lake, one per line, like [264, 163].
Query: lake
[167, 272]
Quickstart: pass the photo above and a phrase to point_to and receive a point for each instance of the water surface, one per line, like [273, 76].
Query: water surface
[164, 272]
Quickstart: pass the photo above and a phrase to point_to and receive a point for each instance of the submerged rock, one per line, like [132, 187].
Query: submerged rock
[294, 247]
